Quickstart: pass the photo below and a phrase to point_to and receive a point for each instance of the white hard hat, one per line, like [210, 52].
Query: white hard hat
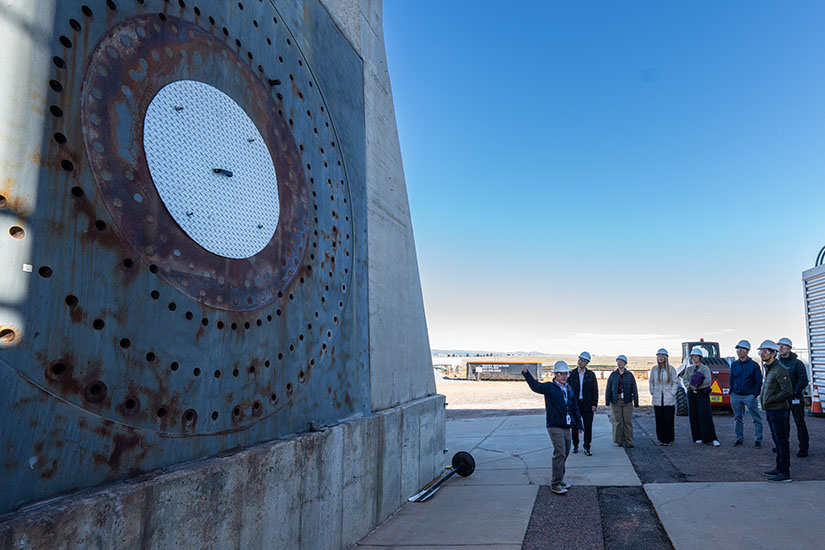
[785, 341]
[662, 351]
[584, 355]
[769, 344]
[560, 367]
[697, 351]
[744, 344]
[622, 357]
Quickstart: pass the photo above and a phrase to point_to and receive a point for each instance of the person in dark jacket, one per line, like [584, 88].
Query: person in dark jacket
[697, 380]
[562, 412]
[745, 386]
[621, 396]
[776, 393]
[586, 389]
[799, 380]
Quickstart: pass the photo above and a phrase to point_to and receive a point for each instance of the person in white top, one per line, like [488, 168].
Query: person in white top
[663, 385]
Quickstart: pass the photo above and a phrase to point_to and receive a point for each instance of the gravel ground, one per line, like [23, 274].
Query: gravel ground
[569, 521]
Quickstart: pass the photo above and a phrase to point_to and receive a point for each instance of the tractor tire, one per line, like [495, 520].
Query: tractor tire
[681, 402]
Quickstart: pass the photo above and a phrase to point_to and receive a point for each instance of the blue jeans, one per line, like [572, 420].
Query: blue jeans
[779, 422]
[738, 403]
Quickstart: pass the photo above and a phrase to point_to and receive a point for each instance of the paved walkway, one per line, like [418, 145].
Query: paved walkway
[491, 509]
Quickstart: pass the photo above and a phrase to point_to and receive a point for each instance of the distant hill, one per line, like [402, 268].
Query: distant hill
[481, 353]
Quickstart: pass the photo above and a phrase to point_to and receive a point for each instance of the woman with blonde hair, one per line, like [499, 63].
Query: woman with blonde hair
[663, 385]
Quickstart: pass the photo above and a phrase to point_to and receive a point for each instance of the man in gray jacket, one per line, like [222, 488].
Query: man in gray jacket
[799, 380]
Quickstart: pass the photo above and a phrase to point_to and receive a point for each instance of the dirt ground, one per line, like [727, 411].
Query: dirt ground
[497, 395]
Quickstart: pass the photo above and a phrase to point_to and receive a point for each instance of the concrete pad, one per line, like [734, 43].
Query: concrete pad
[524, 424]
[734, 514]
[489, 515]
[512, 476]
[473, 426]
[516, 444]
[451, 547]
[455, 444]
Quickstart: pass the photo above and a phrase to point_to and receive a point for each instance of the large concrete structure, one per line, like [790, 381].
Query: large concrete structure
[211, 324]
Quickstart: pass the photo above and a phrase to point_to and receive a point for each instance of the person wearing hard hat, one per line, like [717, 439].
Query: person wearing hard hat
[663, 385]
[745, 384]
[799, 381]
[562, 413]
[696, 378]
[586, 389]
[621, 396]
[776, 393]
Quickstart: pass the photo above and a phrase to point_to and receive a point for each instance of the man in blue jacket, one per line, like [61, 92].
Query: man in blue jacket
[745, 387]
[562, 413]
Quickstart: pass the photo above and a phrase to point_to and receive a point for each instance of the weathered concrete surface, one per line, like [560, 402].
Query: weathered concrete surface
[323, 489]
[734, 515]
[400, 363]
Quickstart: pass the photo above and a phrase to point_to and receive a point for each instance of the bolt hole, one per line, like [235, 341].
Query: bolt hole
[197, 10]
[150, 357]
[258, 322]
[58, 62]
[161, 412]
[154, 294]
[87, 11]
[269, 318]
[45, 271]
[219, 325]
[125, 343]
[128, 263]
[234, 326]
[205, 321]
[59, 369]
[266, 363]
[71, 300]
[65, 41]
[7, 336]
[67, 165]
[217, 374]
[3, 202]
[17, 232]
[214, 415]
[273, 398]
[100, 225]
[98, 324]
[95, 392]
[190, 416]
[237, 411]
[129, 404]
[211, 20]
[174, 366]
[56, 111]
[56, 85]
[172, 306]
[256, 408]
[289, 388]
[74, 24]
[246, 325]
[301, 376]
[153, 268]
[251, 369]
[235, 373]
[188, 315]
[196, 371]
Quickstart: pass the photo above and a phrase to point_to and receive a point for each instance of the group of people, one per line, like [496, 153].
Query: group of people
[571, 400]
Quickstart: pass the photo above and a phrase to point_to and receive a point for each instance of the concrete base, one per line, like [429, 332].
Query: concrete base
[324, 489]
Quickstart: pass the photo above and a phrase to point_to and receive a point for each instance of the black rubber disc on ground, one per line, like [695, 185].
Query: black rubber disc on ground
[463, 463]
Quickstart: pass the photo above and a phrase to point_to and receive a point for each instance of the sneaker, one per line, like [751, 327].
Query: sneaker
[770, 473]
[717, 444]
[575, 450]
[698, 441]
[587, 452]
[565, 485]
[781, 478]
[738, 443]
[667, 444]
[802, 454]
[757, 444]
[558, 490]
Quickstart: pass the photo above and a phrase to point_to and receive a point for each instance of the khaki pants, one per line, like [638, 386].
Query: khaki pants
[621, 416]
[560, 437]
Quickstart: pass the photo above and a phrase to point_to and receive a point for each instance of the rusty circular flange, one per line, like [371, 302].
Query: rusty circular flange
[132, 62]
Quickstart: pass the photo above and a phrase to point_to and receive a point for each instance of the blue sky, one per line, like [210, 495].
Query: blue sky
[615, 176]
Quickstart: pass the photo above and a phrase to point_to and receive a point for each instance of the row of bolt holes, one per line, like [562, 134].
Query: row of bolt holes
[67, 43]
[96, 392]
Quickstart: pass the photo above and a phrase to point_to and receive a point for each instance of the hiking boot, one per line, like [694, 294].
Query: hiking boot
[781, 478]
[770, 473]
[738, 443]
[558, 490]
[802, 454]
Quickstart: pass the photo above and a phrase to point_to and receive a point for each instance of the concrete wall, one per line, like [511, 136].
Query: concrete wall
[325, 489]
[400, 362]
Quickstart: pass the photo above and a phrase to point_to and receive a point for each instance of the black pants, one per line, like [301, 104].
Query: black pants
[779, 423]
[701, 417]
[798, 412]
[665, 417]
[587, 420]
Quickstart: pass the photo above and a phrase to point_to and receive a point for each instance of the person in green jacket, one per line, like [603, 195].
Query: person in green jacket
[776, 392]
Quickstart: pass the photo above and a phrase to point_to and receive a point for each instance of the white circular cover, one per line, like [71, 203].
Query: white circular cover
[212, 168]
